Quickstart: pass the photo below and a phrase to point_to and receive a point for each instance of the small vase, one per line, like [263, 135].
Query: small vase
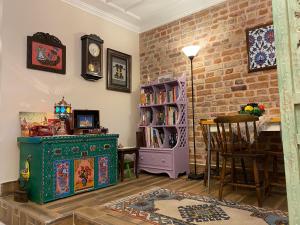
[172, 141]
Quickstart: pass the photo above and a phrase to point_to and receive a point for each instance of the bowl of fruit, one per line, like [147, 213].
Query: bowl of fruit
[252, 109]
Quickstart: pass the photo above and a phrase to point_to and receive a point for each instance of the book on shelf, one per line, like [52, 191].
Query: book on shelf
[154, 138]
[160, 118]
[172, 94]
[160, 97]
[146, 117]
[171, 115]
[146, 97]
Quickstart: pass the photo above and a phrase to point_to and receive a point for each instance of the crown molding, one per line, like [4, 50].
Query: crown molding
[155, 22]
[125, 11]
[107, 16]
[179, 16]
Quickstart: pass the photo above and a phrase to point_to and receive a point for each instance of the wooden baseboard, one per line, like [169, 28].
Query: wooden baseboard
[8, 188]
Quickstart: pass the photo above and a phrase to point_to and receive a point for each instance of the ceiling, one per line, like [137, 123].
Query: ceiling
[141, 15]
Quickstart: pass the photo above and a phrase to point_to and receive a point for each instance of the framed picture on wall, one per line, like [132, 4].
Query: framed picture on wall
[261, 48]
[46, 52]
[118, 71]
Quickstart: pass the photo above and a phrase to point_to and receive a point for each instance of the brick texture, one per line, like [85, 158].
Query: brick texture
[221, 79]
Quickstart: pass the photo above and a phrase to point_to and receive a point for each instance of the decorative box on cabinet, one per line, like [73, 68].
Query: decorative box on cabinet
[62, 166]
[156, 101]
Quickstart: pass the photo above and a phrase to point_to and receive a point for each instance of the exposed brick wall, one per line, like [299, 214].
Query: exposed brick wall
[221, 79]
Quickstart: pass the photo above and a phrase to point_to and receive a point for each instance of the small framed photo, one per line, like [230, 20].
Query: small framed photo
[46, 52]
[261, 48]
[118, 71]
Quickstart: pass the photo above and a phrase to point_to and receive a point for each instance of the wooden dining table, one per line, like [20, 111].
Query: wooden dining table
[271, 124]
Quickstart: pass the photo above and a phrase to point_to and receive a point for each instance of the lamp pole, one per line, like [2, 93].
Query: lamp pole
[193, 112]
[194, 176]
[191, 52]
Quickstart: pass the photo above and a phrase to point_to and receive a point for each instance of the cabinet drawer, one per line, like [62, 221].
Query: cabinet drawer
[156, 160]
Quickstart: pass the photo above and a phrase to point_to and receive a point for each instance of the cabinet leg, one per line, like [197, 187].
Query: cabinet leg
[136, 164]
[122, 166]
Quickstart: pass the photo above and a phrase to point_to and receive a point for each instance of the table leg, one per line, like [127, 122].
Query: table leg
[122, 166]
[136, 164]
[209, 158]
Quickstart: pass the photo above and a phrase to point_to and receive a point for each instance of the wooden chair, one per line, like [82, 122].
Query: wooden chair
[275, 180]
[214, 149]
[236, 146]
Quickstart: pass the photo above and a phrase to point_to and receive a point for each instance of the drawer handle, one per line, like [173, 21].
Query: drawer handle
[57, 151]
[141, 157]
[83, 154]
[106, 146]
[93, 148]
[75, 149]
[163, 160]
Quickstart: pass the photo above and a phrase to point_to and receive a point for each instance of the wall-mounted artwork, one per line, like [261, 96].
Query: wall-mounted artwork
[118, 71]
[62, 177]
[46, 52]
[83, 174]
[261, 48]
[28, 120]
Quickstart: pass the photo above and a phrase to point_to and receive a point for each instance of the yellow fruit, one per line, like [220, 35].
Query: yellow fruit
[249, 108]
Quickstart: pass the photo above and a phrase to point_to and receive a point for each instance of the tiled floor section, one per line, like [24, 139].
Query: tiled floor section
[88, 209]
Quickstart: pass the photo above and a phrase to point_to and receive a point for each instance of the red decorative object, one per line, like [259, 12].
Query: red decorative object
[46, 52]
[40, 131]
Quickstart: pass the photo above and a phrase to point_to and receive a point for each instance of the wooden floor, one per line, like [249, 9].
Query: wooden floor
[88, 207]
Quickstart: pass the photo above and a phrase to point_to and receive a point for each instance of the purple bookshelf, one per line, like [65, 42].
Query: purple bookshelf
[163, 111]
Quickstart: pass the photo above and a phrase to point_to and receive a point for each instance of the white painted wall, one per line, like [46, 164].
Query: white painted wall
[23, 89]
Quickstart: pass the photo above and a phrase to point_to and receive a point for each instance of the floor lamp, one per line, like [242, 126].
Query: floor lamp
[191, 51]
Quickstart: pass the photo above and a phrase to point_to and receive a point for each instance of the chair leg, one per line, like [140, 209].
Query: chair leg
[217, 163]
[266, 172]
[257, 183]
[222, 179]
[206, 170]
[233, 174]
[244, 170]
[275, 168]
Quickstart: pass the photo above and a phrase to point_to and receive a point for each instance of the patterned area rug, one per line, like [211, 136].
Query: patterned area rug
[162, 206]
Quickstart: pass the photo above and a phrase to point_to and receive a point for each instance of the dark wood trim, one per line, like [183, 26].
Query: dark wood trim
[8, 188]
[87, 58]
[45, 38]
[247, 43]
[113, 53]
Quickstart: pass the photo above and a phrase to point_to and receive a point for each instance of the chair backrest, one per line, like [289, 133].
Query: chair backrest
[237, 133]
[213, 138]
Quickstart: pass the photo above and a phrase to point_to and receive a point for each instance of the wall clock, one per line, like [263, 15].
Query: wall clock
[91, 57]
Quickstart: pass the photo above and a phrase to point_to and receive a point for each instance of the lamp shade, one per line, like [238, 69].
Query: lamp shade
[191, 51]
[62, 109]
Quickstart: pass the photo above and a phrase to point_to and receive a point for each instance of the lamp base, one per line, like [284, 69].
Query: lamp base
[193, 176]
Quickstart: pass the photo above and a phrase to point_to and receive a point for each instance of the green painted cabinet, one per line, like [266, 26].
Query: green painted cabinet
[62, 166]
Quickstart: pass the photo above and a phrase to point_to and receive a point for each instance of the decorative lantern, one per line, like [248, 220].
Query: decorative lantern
[62, 109]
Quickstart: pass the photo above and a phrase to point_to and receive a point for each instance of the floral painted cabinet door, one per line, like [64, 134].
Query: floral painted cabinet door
[286, 16]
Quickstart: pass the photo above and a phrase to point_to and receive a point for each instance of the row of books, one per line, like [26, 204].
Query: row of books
[146, 98]
[146, 117]
[154, 138]
[171, 115]
[172, 94]
[160, 97]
